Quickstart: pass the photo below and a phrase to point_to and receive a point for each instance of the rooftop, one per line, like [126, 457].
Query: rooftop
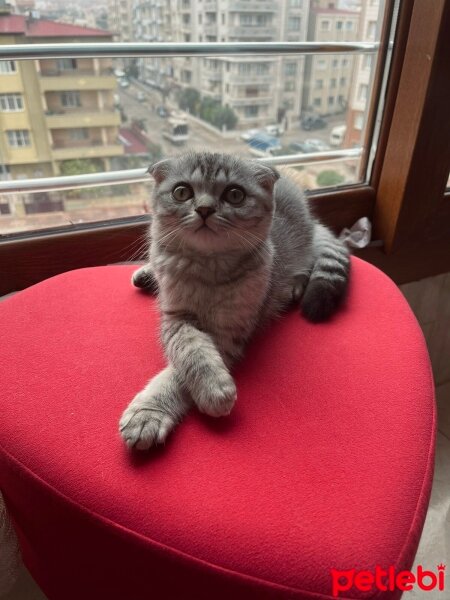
[19, 24]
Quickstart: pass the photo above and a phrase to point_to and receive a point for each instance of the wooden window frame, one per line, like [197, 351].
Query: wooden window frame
[412, 163]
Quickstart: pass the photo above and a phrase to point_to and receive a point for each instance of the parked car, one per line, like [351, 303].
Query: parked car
[162, 112]
[312, 122]
[309, 146]
[124, 83]
[141, 96]
[275, 130]
[337, 135]
[246, 135]
[262, 144]
[318, 145]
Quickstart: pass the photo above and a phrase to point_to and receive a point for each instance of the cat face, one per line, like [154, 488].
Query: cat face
[213, 202]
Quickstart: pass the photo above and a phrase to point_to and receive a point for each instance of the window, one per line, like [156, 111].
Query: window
[7, 66]
[371, 30]
[19, 138]
[169, 75]
[295, 3]
[339, 25]
[362, 92]
[79, 134]
[290, 69]
[359, 122]
[330, 100]
[294, 23]
[251, 111]
[71, 99]
[349, 25]
[67, 64]
[289, 86]
[319, 84]
[11, 102]
[367, 61]
[333, 82]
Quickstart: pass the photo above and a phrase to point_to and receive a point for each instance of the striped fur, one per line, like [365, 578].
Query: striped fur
[217, 284]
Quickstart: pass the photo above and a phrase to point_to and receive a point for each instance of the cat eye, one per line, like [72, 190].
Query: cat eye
[182, 192]
[234, 196]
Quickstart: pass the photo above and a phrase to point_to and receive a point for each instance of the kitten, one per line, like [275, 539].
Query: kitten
[233, 244]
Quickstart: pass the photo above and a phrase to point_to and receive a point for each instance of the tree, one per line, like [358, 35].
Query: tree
[80, 166]
[329, 177]
[189, 100]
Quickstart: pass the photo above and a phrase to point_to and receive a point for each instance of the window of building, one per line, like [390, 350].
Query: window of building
[367, 61]
[294, 24]
[321, 63]
[358, 122]
[342, 81]
[319, 84]
[335, 63]
[344, 62]
[186, 19]
[317, 102]
[295, 3]
[71, 99]
[251, 111]
[261, 68]
[325, 25]
[11, 102]
[349, 25]
[200, 18]
[339, 25]
[362, 92]
[333, 82]
[330, 100]
[289, 86]
[246, 20]
[79, 134]
[371, 30]
[223, 18]
[67, 64]
[245, 68]
[18, 138]
[8, 66]
[290, 69]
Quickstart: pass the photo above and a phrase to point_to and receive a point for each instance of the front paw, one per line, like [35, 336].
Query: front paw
[146, 421]
[216, 394]
[144, 278]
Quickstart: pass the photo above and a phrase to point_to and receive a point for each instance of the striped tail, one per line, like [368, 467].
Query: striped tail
[328, 281]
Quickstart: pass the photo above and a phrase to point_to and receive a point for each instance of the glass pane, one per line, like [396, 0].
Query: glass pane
[73, 116]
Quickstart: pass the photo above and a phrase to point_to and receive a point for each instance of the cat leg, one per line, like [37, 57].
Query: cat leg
[200, 367]
[154, 411]
[144, 278]
[328, 282]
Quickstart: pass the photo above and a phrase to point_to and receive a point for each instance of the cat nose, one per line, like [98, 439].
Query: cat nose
[205, 211]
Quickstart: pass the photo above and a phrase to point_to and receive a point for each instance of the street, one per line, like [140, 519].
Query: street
[202, 138]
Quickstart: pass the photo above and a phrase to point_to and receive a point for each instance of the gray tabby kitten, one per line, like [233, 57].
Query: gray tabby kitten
[233, 244]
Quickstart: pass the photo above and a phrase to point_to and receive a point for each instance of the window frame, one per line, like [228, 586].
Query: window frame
[414, 233]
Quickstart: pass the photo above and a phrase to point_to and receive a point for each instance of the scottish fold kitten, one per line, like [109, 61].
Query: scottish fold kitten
[232, 244]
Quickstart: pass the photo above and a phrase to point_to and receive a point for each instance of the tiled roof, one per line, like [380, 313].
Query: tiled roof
[43, 28]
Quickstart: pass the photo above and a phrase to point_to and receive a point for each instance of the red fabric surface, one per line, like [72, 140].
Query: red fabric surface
[325, 461]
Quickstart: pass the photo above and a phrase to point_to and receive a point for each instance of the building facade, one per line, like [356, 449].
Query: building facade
[328, 78]
[54, 110]
[362, 77]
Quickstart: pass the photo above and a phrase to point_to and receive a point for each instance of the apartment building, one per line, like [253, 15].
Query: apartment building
[362, 77]
[120, 19]
[328, 78]
[52, 111]
[259, 89]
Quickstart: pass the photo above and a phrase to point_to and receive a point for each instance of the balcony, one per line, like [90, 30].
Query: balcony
[88, 149]
[244, 79]
[252, 32]
[251, 100]
[68, 119]
[253, 6]
[77, 81]
[210, 29]
[212, 75]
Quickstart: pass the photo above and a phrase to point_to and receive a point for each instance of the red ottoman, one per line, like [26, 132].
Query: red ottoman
[326, 461]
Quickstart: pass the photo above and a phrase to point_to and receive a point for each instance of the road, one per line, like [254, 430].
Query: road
[201, 138]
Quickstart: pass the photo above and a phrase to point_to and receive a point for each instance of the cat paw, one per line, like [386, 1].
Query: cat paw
[144, 278]
[217, 395]
[146, 422]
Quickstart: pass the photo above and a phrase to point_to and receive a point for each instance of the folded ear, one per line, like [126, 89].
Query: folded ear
[267, 176]
[160, 170]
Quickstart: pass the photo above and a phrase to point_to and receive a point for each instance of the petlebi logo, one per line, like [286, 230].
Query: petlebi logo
[388, 580]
